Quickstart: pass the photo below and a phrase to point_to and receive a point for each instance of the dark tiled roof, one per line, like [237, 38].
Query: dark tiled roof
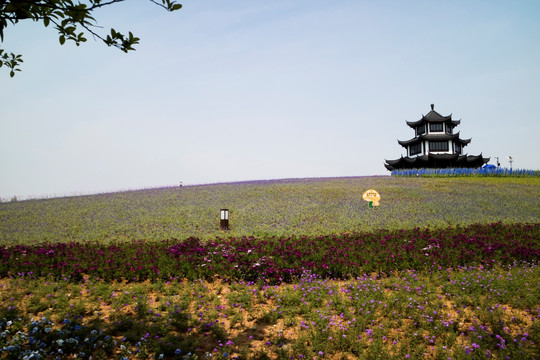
[434, 117]
[435, 137]
[437, 161]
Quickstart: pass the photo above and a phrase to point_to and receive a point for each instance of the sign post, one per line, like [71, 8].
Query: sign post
[373, 197]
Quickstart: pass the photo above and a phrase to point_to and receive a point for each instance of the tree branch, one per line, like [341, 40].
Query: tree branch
[158, 4]
[67, 16]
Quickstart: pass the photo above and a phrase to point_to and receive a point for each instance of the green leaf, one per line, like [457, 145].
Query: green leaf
[66, 16]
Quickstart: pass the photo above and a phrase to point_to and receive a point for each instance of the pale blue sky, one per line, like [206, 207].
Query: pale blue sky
[247, 90]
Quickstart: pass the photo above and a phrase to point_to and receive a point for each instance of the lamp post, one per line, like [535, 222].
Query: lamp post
[224, 219]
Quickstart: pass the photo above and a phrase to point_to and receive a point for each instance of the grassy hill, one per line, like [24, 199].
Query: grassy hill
[272, 208]
[324, 289]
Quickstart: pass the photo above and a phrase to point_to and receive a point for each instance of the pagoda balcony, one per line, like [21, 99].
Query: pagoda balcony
[433, 137]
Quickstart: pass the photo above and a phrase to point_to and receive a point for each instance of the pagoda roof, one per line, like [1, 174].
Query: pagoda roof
[434, 117]
[434, 137]
[437, 161]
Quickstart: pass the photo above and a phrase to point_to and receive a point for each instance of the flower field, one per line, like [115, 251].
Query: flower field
[442, 269]
[272, 208]
[276, 260]
[483, 171]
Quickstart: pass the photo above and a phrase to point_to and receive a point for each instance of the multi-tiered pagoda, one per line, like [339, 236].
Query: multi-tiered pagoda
[435, 145]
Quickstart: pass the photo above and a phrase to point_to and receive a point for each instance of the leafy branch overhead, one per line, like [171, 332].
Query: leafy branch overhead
[72, 19]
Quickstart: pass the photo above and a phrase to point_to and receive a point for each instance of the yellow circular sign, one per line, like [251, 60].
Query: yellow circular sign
[372, 196]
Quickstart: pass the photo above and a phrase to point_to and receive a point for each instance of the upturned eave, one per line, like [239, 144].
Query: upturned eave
[433, 137]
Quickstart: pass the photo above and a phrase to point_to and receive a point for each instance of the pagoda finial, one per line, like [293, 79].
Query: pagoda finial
[432, 106]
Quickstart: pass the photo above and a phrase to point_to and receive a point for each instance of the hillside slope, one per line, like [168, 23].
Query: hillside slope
[274, 207]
